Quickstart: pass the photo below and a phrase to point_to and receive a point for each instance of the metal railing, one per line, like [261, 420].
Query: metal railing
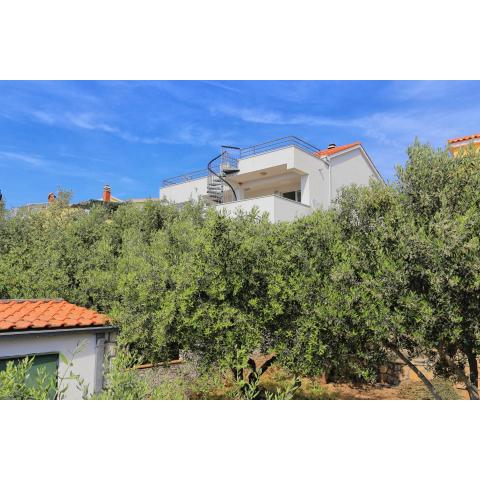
[218, 168]
[235, 154]
[290, 141]
[186, 177]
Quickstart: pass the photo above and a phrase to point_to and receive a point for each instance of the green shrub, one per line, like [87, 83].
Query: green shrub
[19, 381]
[418, 391]
[211, 384]
[124, 382]
[16, 384]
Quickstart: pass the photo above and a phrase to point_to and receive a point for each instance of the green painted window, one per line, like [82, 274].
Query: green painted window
[47, 363]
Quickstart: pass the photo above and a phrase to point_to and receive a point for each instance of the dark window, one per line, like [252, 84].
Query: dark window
[296, 196]
[289, 195]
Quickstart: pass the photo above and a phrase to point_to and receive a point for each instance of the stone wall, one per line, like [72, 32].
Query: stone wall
[397, 372]
[109, 353]
[174, 370]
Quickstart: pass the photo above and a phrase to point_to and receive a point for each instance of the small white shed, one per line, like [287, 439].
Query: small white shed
[52, 329]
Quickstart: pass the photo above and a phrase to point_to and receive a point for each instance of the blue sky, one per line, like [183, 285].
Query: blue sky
[81, 135]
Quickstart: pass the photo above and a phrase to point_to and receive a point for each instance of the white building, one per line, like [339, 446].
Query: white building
[287, 178]
[51, 330]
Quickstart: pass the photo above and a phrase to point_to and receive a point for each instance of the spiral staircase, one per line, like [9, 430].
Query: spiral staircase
[219, 168]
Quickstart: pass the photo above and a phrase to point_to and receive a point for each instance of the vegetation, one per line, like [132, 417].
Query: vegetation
[417, 391]
[389, 270]
[20, 381]
[16, 384]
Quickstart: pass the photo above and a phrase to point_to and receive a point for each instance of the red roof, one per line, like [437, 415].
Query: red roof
[331, 151]
[463, 139]
[40, 314]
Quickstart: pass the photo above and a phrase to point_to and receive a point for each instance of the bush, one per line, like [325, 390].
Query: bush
[123, 382]
[16, 384]
[19, 381]
[418, 391]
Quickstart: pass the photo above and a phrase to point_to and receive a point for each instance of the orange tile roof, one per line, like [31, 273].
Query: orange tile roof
[463, 139]
[41, 314]
[331, 151]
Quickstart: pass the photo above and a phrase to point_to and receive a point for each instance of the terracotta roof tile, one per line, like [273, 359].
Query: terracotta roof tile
[331, 151]
[463, 139]
[40, 314]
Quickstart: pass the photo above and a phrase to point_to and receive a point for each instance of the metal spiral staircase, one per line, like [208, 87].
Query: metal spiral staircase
[218, 169]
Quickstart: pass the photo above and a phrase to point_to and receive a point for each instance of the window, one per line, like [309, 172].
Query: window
[48, 363]
[296, 196]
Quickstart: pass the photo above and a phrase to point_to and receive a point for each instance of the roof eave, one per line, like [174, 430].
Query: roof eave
[52, 331]
[369, 160]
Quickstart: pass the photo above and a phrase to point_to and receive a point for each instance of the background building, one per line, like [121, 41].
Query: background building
[456, 144]
[287, 178]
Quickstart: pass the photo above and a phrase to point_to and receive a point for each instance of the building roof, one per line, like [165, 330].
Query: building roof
[46, 313]
[463, 139]
[112, 199]
[331, 151]
[140, 200]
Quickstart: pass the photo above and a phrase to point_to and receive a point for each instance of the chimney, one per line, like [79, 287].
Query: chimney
[51, 197]
[107, 193]
[331, 145]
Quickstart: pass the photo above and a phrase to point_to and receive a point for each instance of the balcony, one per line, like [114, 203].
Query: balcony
[237, 154]
[279, 209]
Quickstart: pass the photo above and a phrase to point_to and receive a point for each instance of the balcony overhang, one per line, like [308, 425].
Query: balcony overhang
[259, 174]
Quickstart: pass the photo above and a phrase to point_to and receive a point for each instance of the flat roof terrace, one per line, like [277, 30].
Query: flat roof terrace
[242, 153]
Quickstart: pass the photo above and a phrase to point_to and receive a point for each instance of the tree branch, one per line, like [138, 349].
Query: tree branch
[261, 369]
[472, 389]
[419, 374]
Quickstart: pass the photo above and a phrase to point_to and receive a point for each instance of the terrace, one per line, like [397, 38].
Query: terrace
[235, 154]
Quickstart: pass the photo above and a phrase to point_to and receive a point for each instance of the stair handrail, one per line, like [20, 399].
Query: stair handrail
[209, 168]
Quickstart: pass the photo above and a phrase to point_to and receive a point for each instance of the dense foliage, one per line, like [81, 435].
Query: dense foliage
[389, 269]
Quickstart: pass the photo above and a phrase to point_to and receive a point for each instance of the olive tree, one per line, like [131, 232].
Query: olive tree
[441, 194]
[420, 267]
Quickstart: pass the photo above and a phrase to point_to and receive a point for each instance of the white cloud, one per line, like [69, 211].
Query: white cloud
[59, 168]
[185, 134]
[32, 160]
[89, 122]
[44, 117]
[269, 117]
[222, 85]
[422, 90]
[393, 129]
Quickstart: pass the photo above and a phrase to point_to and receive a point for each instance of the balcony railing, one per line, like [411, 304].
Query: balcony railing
[186, 177]
[235, 154]
[277, 144]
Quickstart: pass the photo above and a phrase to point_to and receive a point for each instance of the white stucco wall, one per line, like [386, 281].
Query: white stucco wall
[279, 209]
[85, 362]
[287, 210]
[183, 192]
[351, 168]
[282, 156]
[314, 180]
